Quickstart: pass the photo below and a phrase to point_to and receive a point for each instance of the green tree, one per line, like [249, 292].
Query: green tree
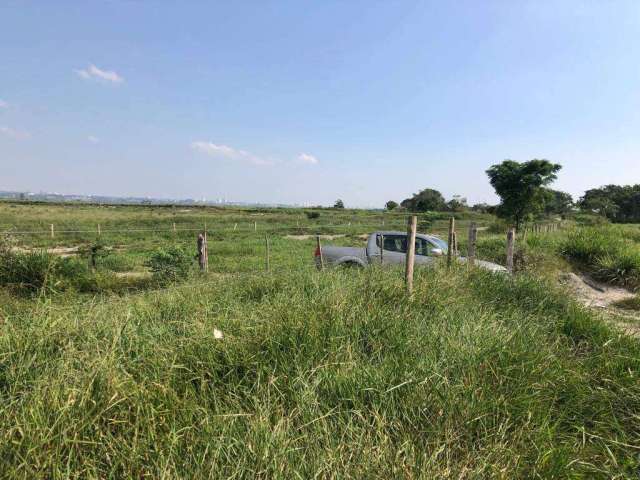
[457, 204]
[520, 187]
[426, 200]
[391, 205]
[619, 203]
[339, 204]
[557, 202]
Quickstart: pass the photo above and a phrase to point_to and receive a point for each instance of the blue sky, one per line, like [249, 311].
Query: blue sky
[299, 102]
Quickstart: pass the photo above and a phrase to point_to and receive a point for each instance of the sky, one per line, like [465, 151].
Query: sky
[306, 102]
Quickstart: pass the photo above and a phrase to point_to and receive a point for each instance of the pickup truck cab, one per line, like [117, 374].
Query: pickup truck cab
[390, 248]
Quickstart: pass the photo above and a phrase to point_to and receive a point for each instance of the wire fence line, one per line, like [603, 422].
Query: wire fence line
[209, 229]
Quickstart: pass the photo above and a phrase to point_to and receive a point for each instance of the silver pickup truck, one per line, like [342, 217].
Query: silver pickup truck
[393, 252]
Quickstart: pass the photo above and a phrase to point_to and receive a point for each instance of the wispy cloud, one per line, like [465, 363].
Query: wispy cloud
[224, 151]
[3, 104]
[15, 134]
[308, 159]
[93, 139]
[94, 73]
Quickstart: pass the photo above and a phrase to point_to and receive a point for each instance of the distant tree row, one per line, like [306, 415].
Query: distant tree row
[617, 203]
[522, 188]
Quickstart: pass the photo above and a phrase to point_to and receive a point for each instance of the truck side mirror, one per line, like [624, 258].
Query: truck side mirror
[436, 252]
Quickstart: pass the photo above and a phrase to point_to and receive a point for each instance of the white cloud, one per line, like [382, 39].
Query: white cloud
[15, 134]
[3, 104]
[308, 159]
[94, 73]
[224, 151]
[93, 139]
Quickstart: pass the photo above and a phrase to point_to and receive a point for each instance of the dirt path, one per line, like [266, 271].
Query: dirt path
[603, 297]
[307, 237]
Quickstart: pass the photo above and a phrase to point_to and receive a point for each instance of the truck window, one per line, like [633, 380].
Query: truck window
[394, 243]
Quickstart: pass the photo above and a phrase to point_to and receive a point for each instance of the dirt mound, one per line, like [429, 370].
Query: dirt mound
[591, 293]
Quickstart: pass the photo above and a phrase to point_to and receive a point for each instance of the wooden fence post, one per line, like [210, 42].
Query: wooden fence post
[206, 252]
[52, 234]
[201, 253]
[99, 232]
[266, 244]
[319, 250]
[381, 246]
[511, 240]
[174, 227]
[255, 226]
[411, 252]
[235, 227]
[450, 250]
[473, 237]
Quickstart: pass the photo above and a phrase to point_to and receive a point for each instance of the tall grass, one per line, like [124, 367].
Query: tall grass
[319, 375]
[611, 254]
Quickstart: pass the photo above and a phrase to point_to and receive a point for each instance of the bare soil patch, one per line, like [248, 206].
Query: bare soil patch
[592, 293]
[307, 237]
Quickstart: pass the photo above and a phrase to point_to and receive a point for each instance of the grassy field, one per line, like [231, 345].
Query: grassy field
[318, 374]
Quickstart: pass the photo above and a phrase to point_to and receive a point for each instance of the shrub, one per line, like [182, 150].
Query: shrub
[31, 272]
[28, 272]
[312, 215]
[170, 264]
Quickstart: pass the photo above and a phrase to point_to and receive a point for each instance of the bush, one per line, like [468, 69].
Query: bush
[31, 272]
[170, 264]
[312, 215]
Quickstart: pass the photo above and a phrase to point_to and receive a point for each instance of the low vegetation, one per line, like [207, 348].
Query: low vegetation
[117, 368]
[475, 376]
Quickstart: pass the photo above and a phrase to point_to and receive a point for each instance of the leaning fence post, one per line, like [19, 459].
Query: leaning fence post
[206, 249]
[319, 250]
[52, 234]
[450, 250]
[471, 248]
[511, 240]
[266, 244]
[411, 252]
[200, 246]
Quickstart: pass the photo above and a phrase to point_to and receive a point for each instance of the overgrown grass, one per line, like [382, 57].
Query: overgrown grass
[319, 375]
[611, 254]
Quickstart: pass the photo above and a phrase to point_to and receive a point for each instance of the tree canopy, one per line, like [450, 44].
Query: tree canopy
[426, 200]
[391, 205]
[339, 204]
[520, 187]
[619, 203]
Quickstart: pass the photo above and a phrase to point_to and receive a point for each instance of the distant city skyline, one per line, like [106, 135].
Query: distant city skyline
[289, 102]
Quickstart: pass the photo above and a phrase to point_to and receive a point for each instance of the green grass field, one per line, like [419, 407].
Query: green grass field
[334, 374]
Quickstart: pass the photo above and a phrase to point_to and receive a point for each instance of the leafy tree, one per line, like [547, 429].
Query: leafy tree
[457, 204]
[557, 202]
[391, 205]
[619, 203]
[339, 204]
[483, 208]
[426, 200]
[520, 187]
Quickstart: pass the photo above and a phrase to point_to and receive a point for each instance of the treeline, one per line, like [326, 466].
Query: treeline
[525, 196]
[619, 203]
